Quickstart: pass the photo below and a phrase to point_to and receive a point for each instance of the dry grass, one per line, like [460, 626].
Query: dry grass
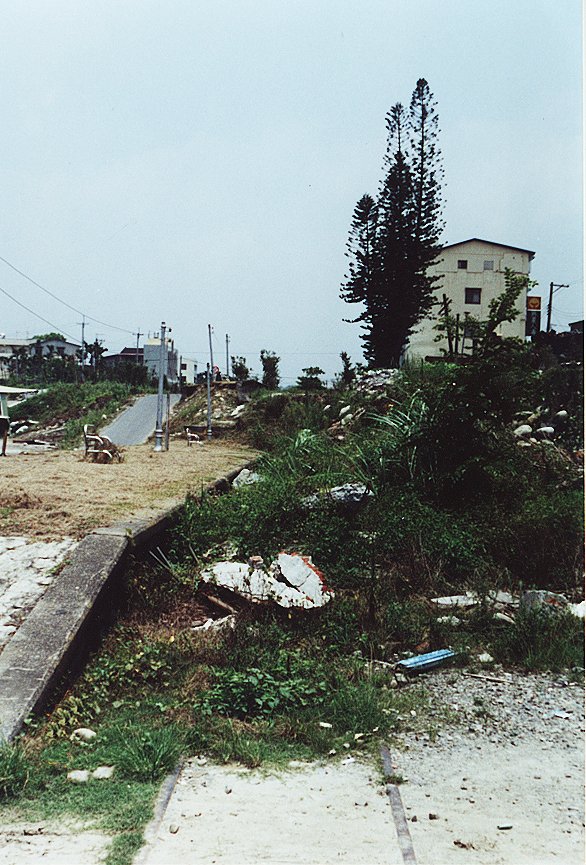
[58, 494]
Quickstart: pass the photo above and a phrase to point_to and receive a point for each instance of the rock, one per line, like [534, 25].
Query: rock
[545, 432]
[246, 477]
[537, 599]
[84, 733]
[450, 601]
[434, 816]
[173, 828]
[578, 609]
[103, 772]
[351, 496]
[485, 658]
[523, 430]
[78, 776]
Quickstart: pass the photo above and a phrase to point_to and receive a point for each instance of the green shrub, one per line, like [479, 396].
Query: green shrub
[258, 694]
[542, 543]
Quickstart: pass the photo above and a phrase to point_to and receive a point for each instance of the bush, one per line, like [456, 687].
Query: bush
[258, 694]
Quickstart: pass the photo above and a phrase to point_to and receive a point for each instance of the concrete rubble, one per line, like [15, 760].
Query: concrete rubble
[291, 580]
[504, 605]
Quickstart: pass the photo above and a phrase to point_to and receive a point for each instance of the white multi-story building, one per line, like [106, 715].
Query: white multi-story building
[152, 354]
[471, 273]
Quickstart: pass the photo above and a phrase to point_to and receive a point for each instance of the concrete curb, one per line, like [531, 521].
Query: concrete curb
[59, 628]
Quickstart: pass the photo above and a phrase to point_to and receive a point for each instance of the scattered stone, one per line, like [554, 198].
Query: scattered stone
[485, 658]
[103, 772]
[78, 776]
[448, 602]
[536, 599]
[246, 477]
[505, 826]
[84, 733]
[434, 816]
[227, 790]
[173, 828]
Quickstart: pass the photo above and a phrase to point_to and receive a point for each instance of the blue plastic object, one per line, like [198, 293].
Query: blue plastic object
[421, 663]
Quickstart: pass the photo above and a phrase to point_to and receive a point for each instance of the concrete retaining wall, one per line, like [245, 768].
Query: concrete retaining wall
[57, 632]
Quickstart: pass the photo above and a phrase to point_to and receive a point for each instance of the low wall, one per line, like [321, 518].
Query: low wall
[56, 634]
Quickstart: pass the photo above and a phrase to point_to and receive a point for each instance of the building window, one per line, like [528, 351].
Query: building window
[489, 265]
[462, 264]
[472, 295]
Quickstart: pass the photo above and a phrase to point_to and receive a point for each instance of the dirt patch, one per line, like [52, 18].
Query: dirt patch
[57, 494]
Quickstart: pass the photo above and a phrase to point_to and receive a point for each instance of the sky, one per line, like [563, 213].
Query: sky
[198, 163]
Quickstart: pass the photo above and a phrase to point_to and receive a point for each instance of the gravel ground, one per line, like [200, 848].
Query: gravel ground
[483, 755]
[511, 754]
[494, 776]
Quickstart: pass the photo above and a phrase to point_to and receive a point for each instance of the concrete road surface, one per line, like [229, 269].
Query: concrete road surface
[135, 424]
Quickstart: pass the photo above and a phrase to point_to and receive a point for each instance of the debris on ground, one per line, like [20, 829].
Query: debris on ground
[291, 580]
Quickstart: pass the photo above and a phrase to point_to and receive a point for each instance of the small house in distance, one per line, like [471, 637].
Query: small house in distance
[471, 273]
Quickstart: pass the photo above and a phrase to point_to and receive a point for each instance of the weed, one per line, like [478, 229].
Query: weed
[14, 770]
[542, 640]
[147, 755]
[393, 779]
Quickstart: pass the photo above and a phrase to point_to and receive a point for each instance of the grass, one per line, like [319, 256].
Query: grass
[282, 686]
[542, 640]
[73, 405]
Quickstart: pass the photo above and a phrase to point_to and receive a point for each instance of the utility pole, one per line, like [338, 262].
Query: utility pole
[138, 335]
[82, 346]
[159, 426]
[209, 405]
[551, 294]
[227, 366]
[211, 350]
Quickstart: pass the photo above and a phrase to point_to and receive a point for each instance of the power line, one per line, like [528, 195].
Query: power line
[56, 327]
[54, 296]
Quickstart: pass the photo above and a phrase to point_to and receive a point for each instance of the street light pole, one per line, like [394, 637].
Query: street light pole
[159, 426]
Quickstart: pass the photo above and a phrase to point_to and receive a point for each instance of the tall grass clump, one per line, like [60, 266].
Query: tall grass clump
[147, 755]
[14, 770]
[542, 639]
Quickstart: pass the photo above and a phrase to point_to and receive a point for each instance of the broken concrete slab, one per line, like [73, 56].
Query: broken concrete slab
[292, 581]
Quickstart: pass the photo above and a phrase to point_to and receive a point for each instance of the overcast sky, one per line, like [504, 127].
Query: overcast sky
[198, 163]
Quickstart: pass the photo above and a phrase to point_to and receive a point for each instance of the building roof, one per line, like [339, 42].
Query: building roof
[529, 252]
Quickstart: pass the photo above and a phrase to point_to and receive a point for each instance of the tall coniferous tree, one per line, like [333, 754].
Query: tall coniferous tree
[394, 240]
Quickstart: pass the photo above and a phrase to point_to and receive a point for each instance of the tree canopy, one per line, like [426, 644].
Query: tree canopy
[394, 239]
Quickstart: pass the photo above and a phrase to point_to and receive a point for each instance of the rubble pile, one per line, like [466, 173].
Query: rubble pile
[290, 581]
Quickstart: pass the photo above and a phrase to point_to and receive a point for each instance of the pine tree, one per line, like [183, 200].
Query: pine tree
[394, 240]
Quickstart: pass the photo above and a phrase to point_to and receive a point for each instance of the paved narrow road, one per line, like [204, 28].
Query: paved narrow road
[135, 424]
